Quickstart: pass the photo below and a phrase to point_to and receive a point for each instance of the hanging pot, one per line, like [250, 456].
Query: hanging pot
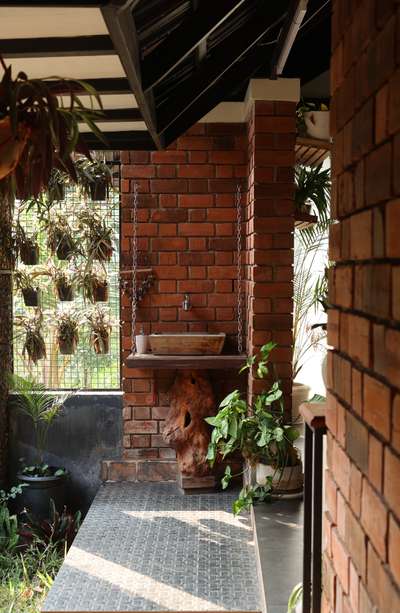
[63, 249]
[66, 346]
[98, 190]
[100, 292]
[65, 292]
[29, 254]
[11, 147]
[57, 192]
[317, 123]
[287, 482]
[31, 297]
[101, 343]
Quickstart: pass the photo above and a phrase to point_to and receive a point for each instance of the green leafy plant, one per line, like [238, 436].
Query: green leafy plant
[9, 536]
[60, 237]
[313, 187]
[59, 530]
[295, 597]
[94, 178]
[56, 186]
[42, 408]
[39, 131]
[26, 246]
[100, 329]
[93, 283]
[97, 234]
[259, 432]
[34, 347]
[67, 329]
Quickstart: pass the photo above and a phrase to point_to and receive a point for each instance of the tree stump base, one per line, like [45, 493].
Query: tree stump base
[196, 485]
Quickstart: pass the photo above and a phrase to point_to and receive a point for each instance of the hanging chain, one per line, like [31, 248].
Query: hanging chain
[134, 264]
[239, 269]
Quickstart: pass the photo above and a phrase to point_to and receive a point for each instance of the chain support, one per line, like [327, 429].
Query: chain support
[239, 269]
[134, 265]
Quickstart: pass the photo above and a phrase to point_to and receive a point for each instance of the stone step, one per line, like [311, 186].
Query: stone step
[146, 547]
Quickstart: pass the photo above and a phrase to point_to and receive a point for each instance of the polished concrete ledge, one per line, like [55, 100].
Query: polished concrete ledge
[278, 535]
[146, 547]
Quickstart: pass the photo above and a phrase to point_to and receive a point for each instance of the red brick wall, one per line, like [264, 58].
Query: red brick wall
[269, 235]
[187, 232]
[362, 530]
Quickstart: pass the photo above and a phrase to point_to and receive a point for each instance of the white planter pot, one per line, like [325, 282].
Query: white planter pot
[286, 482]
[141, 343]
[300, 393]
[317, 123]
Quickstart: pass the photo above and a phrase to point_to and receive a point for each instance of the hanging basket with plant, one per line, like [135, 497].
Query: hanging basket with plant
[34, 347]
[56, 187]
[100, 329]
[98, 236]
[25, 282]
[93, 283]
[26, 246]
[60, 238]
[67, 331]
[63, 280]
[94, 178]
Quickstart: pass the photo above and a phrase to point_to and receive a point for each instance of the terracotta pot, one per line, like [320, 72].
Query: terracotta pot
[286, 482]
[317, 123]
[100, 292]
[101, 345]
[31, 297]
[300, 393]
[29, 254]
[66, 347]
[11, 148]
[65, 293]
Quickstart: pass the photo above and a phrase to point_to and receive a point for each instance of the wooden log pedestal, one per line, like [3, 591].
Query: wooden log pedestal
[191, 400]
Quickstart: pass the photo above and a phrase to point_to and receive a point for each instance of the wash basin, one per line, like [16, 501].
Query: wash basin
[187, 343]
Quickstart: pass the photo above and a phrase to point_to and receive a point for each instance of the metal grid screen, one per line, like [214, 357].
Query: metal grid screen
[84, 369]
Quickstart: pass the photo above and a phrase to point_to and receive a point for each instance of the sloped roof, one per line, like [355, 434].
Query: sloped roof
[160, 65]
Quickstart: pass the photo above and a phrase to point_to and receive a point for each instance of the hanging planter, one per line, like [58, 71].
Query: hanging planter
[97, 235]
[65, 292]
[93, 283]
[67, 332]
[63, 282]
[99, 190]
[25, 283]
[60, 237]
[12, 145]
[56, 186]
[100, 330]
[26, 246]
[34, 347]
[100, 291]
[94, 178]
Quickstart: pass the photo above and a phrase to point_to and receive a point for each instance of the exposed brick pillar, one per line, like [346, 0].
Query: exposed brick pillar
[269, 228]
[362, 529]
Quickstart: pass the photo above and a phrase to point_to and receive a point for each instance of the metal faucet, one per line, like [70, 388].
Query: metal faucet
[186, 303]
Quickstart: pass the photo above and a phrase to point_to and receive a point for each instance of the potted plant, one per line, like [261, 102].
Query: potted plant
[34, 346]
[94, 178]
[67, 328]
[93, 283]
[24, 281]
[60, 237]
[313, 188]
[100, 329]
[44, 483]
[56, 186]
[63, 282]
[262, 435]
[313, 120]
[26, 246]
[98, 236]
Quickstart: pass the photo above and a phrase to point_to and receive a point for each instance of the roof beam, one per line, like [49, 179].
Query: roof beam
[214, 67]
[287, 36]
[132, 114]
[184, 39]
[221, 90]
[57, 46]
[129, 140]
[112, 85]
[121, 26]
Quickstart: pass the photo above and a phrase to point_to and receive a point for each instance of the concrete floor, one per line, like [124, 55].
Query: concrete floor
[146, 547]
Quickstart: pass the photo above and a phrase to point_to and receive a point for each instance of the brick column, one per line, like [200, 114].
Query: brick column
[270, 227]
[362, 529]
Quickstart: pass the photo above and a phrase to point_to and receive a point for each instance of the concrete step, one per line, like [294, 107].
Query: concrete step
[146, 547]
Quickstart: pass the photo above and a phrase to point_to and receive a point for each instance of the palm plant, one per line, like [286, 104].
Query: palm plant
[313, 186]
[32, 399]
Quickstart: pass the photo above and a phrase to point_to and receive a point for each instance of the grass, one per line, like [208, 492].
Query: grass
[25, 578]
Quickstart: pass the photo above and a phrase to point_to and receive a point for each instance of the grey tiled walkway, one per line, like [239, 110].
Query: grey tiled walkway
[145, 547]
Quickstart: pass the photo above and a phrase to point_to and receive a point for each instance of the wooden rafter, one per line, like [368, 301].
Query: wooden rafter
[57, 46]
[184, 39]
[124, 141]
[212, 69]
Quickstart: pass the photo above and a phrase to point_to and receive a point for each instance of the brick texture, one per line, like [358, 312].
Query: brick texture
[187, 234]
[362, 485]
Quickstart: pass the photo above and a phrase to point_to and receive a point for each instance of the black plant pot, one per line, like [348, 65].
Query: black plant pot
[98, 190]
[100, 292]
[31, 297]
[57, 193]
[63, 249]
[29, 255]
[36, 496]
[65, 293]
[66, 347]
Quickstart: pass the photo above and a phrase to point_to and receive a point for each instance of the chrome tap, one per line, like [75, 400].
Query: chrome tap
[186, 303]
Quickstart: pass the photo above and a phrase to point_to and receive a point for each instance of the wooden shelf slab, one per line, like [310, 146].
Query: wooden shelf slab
[311, 151]
[304, 220]
[182, 362]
